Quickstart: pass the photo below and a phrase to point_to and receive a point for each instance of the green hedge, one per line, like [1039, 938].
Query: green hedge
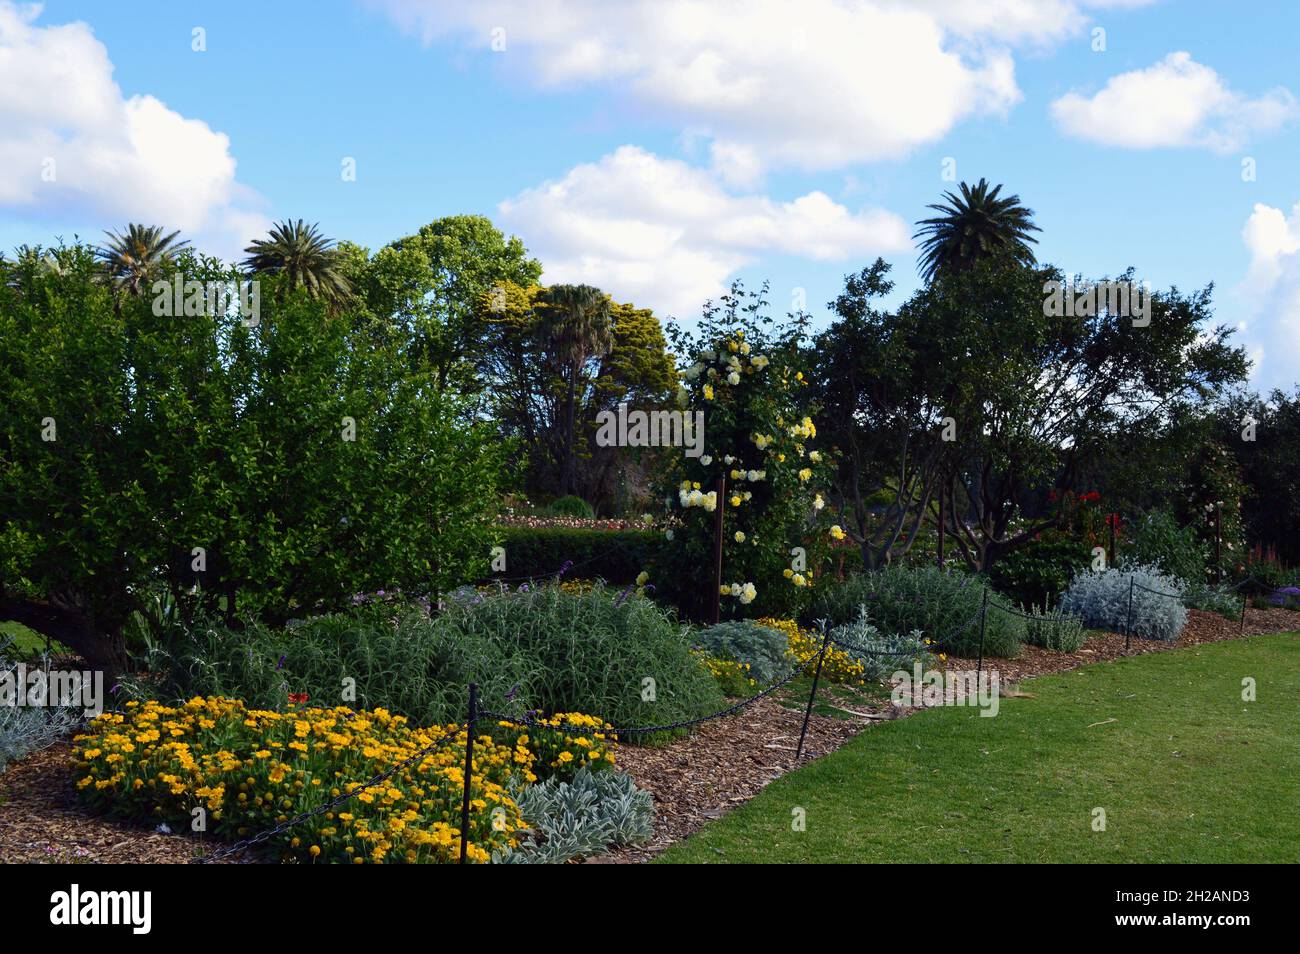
[615, 556]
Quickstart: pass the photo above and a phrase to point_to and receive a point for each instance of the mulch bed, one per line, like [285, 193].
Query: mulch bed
[722, 764]
[43, 821]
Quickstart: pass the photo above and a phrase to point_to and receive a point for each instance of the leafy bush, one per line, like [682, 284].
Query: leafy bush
[539, 649]
[1102, 600]
[747, 375]
[252, 769]
[879, 654]
[1158, 540]
[1056, 631]
[1039, 571]
[571, 506]
[937, 602]
[307, 455]
[27, 729]
[580, 817]
[763, 649]
[1213, 598]
[837, 665]
[589, 652]
[616, 556]
[732, 677]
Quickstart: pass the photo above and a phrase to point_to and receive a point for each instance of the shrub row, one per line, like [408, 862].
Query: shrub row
[615, 556]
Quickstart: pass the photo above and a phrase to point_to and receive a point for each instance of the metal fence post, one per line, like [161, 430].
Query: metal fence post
[1128, 620]
[469, 770]
[1241, 630]
[716, 601]
[984, 612]
[821, 657]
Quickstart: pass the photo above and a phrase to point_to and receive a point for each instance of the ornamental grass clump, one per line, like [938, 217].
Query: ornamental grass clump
[535, 649]
[1102, 599]
[249, 770]
[609, 652]
[943, 604]
[1059, 632]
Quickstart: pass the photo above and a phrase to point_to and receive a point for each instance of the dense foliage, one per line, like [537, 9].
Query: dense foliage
[280, 464]
[1137, 599]
[943, 605]
[760, 437]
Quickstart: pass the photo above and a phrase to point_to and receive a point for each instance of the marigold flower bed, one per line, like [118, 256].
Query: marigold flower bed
[252, 769]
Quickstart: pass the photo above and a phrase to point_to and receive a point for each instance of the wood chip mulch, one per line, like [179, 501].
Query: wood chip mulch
[43, 821]
[721, 765]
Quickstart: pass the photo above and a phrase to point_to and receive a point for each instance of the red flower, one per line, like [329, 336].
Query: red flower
[298, 697]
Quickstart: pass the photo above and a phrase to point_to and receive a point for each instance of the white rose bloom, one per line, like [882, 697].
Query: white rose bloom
[733, 378]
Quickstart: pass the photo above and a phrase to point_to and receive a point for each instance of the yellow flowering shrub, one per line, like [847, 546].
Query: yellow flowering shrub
[251, 769]
[733, 677]
[837, 666]
[569, 741]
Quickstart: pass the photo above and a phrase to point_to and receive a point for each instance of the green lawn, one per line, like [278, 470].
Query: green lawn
[26, 642]
[1185, 769]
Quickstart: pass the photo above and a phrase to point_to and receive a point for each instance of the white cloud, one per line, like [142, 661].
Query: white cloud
[1176, 102]
[113, 159]
[667, 235]
[1272, 289]
[817, 84]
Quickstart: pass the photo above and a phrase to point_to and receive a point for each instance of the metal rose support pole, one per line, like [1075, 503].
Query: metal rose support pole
[469, 770]
[1241, 630]
[984, 613]
[717, 551]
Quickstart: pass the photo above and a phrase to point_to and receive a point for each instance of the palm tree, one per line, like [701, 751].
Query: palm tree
[579, 330]
[973, 227]
[299, 252]
[135, 259]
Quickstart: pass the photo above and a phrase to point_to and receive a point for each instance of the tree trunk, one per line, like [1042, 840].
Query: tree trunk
[76, 630]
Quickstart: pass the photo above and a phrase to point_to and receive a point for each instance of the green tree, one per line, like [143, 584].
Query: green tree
[135, 258]
[525, 378]
[579, 328]
[432, 284]
[989, 398]
[279, 466]
[305, 258]
[976, 225]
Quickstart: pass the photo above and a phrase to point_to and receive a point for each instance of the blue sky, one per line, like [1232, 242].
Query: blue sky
[660, 149]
